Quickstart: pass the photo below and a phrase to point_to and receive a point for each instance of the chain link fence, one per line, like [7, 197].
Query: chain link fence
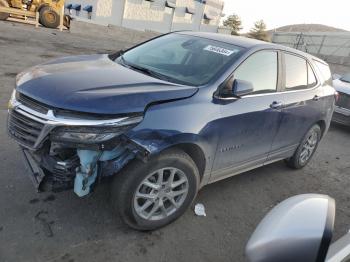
[334, 48]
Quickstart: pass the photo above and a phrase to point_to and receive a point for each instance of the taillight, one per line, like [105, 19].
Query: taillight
[336, 96]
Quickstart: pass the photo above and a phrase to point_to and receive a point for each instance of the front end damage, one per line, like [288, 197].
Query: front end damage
[65, 150]
[55, 168]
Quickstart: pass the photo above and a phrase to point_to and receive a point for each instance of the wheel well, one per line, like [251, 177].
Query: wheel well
[197, 155]
[322, 125]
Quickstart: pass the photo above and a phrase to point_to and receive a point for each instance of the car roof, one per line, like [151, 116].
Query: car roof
[247, 43]
[234, 40]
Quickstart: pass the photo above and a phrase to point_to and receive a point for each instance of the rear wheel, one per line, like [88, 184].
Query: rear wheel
[49, 17]
[4, 16]
[151, 195]
[306, 149]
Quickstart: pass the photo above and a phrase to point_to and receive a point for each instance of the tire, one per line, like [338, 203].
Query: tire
[4, 16]
[309, 145]
[66, 21]
[129, 183]
[49, 17]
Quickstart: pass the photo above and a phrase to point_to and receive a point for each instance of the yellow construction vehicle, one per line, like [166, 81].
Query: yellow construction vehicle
[49, 10]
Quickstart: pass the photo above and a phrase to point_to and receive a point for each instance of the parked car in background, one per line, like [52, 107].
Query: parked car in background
[167, 117]
[342, 109]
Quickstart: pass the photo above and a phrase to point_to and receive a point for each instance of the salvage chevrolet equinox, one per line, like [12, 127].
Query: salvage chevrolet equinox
[167, 117]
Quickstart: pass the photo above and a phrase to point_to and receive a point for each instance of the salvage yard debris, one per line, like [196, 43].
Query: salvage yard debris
[199, 210]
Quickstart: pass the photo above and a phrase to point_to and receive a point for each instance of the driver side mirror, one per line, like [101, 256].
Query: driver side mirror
[241, 87]
[298, 229]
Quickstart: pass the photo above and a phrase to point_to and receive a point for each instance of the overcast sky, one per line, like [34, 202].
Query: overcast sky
[276, 13]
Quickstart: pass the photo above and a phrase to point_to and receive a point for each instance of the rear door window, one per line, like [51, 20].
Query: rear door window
[296, 72]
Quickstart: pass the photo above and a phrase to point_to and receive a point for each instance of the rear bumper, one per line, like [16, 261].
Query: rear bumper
[341, 116]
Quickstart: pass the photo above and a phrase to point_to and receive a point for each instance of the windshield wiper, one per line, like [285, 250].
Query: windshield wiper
[146, 70]
[149, 72]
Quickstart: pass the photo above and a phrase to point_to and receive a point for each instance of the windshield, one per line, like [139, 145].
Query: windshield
[182, 59]
[345, 78]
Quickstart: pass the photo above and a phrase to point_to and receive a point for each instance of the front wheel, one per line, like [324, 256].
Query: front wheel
[306, 149]
[151, 195]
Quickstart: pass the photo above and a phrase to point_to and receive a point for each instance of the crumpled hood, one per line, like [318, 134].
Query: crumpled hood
[95, 84]
[341, 86]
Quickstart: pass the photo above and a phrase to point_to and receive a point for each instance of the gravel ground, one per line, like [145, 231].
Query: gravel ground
[63, 227]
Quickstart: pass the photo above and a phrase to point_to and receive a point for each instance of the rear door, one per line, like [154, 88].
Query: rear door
[302, 101]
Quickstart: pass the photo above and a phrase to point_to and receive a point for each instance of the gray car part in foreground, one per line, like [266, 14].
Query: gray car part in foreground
[299, 229]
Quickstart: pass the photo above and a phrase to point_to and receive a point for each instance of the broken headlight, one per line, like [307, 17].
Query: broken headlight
[88, 134]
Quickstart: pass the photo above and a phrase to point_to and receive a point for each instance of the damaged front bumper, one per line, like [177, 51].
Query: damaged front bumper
[58, 160]
[79, 171]
[35, 172]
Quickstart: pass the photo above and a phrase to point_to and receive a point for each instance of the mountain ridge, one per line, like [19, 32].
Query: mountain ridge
[307, 28]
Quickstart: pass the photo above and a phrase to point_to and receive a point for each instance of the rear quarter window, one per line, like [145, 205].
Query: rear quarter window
[325, 71]
[312, 81]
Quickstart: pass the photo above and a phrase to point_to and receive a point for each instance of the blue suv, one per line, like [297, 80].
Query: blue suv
[167, 117]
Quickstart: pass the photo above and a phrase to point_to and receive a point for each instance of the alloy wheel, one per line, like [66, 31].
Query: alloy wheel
[308, 147]
[161, 193]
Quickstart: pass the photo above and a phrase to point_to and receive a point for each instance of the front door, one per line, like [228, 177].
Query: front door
[248, 124]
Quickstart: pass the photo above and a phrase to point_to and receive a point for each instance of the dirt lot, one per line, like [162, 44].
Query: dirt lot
[62, 227]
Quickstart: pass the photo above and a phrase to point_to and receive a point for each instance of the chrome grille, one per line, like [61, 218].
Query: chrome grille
[344, 100]
[33, 104]
[24, 129]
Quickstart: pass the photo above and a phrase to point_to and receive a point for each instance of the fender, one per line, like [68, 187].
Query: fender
[180, 122]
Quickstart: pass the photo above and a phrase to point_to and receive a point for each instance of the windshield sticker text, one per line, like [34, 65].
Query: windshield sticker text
[220, 50]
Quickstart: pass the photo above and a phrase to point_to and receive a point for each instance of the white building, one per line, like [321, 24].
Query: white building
[153, 15]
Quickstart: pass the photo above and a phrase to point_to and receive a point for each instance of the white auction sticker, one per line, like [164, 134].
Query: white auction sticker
[219, 50]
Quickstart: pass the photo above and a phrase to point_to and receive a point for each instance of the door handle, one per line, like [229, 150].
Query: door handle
[276, 105]
[316, 98]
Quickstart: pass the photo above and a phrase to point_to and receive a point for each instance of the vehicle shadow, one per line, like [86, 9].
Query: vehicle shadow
[340, 127]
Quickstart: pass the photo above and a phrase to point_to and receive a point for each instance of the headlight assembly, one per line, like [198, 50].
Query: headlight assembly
[88, 134]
